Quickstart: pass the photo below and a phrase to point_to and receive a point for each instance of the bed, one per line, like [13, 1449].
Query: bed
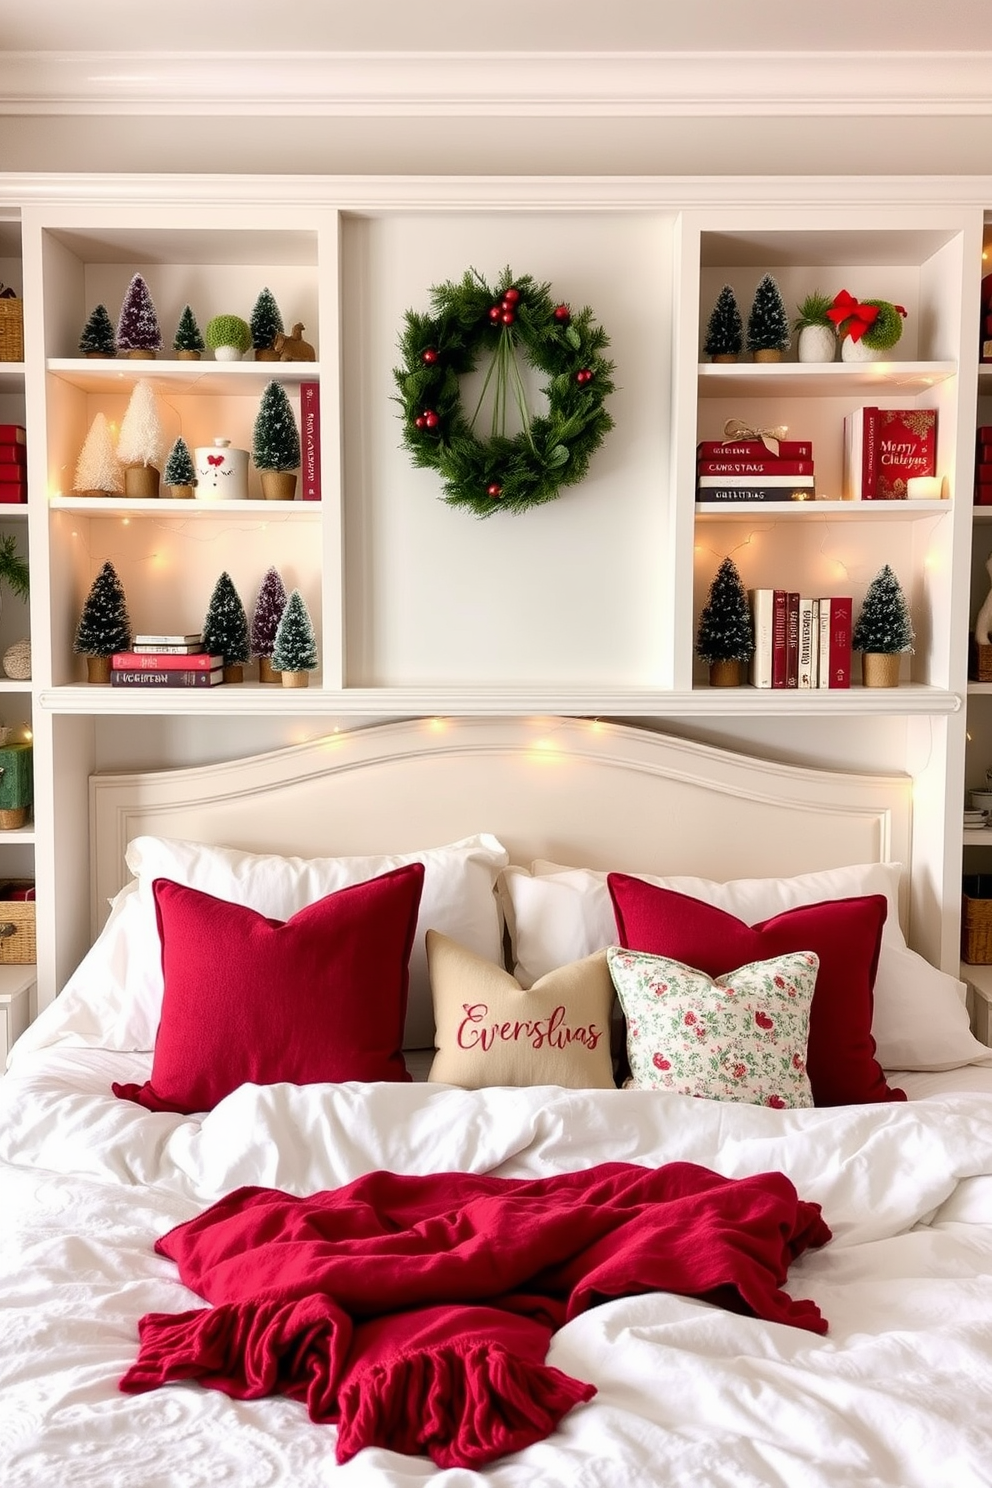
[780, 1278]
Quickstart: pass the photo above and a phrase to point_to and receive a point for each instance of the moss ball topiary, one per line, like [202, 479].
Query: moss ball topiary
[886, 329]
[228, 330]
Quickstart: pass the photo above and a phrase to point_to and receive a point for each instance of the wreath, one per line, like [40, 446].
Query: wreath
[501, 471]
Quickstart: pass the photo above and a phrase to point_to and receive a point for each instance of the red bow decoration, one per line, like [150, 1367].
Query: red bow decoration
[853, 318]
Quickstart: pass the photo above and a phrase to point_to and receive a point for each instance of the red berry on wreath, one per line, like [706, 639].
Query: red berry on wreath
[583, 377]
[507, 317]
[511, 296]
[431, 419]
[420, 421]
[494, 490]
[562, 313]
[429, 357]
[495, 311]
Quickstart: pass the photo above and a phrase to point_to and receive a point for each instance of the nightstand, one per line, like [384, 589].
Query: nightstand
[16, 992]
[980, 1003]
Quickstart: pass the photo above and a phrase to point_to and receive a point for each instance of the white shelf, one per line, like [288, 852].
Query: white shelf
[819, 379]
[194, 508]
[11, 377]
[101, 375]
[266, 699]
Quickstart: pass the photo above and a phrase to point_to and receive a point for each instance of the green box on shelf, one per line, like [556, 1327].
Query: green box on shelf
[16, 777]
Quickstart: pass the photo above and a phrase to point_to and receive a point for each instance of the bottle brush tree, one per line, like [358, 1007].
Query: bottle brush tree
[269, 605]
[768, 321]
[180, 469]
[97, 338]
[884, 626]
[276, 439]
[725, 331]
[98, 468]
[141, 440]
[104, 626]
[137, 326]
[725, 632]
[225, 628]
[188, 336]
[265, 321]
[14, 571]
[295, 647]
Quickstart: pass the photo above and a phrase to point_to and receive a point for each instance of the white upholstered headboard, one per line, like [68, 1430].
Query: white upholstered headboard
[583, 793]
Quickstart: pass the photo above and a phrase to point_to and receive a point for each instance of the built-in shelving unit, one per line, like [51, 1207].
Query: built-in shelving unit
[587, 605]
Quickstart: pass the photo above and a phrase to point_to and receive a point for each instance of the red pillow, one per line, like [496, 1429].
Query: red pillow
[846, 934]
[318, 997]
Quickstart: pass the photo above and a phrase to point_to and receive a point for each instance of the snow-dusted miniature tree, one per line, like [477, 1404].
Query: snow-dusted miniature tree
[276, 439]
[269, 606]
[180, 469]
[141, 440]
[188, 336]
[225, 628]
[265, 321]
[104, 626]
[98, 468]
[97, 337]
[884, 625]
[295, 647]
[725, 632]
[768, 321]
[725, 329]
[138, 329]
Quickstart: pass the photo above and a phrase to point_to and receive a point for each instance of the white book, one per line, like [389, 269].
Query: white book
[790, 482]
[193, 637]
[762, 619]
[809, 642]
[823, 653]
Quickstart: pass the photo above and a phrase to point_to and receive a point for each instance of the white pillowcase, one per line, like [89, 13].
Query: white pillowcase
[555, 915]
[113, 999]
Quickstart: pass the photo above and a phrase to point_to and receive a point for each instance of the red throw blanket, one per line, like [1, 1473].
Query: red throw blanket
[416, 1312]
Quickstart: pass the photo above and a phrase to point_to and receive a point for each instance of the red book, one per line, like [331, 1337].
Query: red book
[792, 639]
[884, 447]
[780, 638]
[983, 433]
[747, 449]
[983, 495]
[10, 470]
[310, 439]
[835, 641]
[161, 661]
[12, 434]
[755, 467]
[983, 472]
[12, 493]
[983, 454]
[12, 454]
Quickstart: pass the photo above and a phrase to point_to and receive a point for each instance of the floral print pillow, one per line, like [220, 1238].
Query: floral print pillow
[738, 1037]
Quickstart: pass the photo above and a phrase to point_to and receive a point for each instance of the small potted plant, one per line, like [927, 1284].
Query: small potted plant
[767, 322]
[104, 626]
[179, 474]
[225, 629]
[868, 329]
[725, 330]
[294, 654]
[97, 338]
[816, 334]
[265, 322]
[276, 444]
[883, 630]
[188, 342]
[725, 635]
[228, 337]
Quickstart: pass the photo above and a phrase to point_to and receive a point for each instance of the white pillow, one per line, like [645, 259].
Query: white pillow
[555, 915]
[113, 998]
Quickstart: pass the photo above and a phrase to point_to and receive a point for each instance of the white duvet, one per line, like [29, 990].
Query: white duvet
[897, 1393]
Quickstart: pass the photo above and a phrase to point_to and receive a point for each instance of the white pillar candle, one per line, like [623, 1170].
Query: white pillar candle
[924, 488]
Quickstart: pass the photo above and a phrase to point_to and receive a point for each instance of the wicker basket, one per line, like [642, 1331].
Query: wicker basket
[979, 661]
[18, 940]
[11, 330]
[976, 920]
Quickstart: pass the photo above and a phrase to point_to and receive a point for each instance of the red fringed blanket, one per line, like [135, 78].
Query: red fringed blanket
[416, 1312]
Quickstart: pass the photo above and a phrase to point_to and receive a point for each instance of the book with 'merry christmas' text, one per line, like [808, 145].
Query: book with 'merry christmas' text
[884, 448]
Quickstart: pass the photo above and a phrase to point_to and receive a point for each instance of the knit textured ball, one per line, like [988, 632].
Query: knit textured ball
[17, 661]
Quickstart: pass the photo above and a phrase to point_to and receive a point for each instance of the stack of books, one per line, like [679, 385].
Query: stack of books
[747, 470]
[13, 464]
[166, 661]
[884, 448]
[983, 466]
[800, 642]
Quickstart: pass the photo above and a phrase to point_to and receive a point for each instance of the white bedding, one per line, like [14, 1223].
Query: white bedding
[895, 1394]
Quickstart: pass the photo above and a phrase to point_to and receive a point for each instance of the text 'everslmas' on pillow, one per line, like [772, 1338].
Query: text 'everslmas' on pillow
[317, 998]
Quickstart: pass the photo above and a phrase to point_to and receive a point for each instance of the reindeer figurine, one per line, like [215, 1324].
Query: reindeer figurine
[983, 620]
[293, 348]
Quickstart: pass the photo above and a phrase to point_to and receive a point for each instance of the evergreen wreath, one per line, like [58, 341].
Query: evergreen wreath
[469, 321]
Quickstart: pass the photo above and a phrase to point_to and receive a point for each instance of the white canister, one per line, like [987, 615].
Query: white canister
[221, 472]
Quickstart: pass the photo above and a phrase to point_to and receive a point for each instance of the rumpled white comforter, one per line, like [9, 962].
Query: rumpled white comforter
[896, 1394]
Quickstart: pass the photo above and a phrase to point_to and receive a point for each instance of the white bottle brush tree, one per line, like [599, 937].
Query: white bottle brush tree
[295, 651]
[98, 469]
[104, 624]
[269, 606]
[141, 442]
[225, 629]
[725, 633]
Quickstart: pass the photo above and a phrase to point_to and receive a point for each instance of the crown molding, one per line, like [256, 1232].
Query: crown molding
[618, 84]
